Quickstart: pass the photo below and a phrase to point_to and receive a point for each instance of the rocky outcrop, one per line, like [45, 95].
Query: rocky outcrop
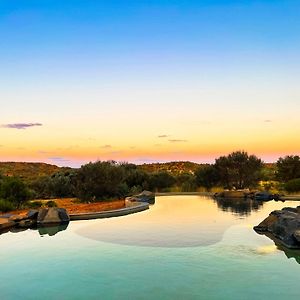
[52, 215]
[284, 225]
[6, 223]
[145, 196]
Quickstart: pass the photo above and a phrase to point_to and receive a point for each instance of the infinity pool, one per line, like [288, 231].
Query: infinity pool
[183, 247]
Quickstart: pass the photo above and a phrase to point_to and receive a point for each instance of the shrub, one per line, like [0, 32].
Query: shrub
[51, 203]
[293, 186]
[34, 204]
[14, 190]
[6, 206]
[99, 181]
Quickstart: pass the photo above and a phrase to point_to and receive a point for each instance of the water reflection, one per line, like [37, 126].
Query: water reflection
[52, 230]
[42, 230]
[242, 207]
[289, 253]
[173, 222]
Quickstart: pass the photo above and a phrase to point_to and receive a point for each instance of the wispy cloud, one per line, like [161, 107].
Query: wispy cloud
[268, 121]
[44, 152]
[106, 146]
[20, 125]
[115, 152]
[163, 136]
[177, 141]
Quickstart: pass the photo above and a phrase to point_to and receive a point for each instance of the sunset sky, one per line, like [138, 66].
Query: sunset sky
[146, 81]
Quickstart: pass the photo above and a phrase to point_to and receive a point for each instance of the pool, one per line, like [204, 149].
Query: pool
[183, 247]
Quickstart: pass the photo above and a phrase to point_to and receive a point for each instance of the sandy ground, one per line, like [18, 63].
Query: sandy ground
[73, 207]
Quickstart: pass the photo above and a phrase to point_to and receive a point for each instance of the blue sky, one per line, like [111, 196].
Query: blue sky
[62, 61]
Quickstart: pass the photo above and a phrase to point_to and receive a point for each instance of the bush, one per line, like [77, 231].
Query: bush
[51, 203]
[35, 204]
[6, 206]
[99, 181]
[293, 186]
[14, 190]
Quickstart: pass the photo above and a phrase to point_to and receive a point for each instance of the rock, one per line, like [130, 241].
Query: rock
[284, 225]
[145, 196]
[26, 223]
[297, 235]
[53, 215]
[32, 214]
[263, 196]
[17, 218]
[6, 223]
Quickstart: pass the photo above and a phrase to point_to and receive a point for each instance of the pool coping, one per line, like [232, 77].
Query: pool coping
[133, 208]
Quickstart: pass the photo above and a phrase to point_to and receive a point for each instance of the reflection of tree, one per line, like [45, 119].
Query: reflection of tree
[242, 207]
[52, 230]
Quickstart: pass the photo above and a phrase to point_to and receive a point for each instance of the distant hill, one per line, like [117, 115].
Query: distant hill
[174, 167]
[27, 171]
[31, 171]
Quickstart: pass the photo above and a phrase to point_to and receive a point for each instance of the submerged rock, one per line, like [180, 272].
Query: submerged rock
[52, 215]
[284, 225]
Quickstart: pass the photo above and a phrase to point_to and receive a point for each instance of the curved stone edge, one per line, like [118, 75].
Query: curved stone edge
[137, 207]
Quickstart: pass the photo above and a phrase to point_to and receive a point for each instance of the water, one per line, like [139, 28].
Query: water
[184, 247]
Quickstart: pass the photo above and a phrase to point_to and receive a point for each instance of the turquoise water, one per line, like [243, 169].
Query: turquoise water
[184, 247]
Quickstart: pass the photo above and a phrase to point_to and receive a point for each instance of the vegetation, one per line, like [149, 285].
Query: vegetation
[239, 170]
[207, 177]
[293, 186]
[99, 181]
[288, 168]
[27, 171]
[14, 191]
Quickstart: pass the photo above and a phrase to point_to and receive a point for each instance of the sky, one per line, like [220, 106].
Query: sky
[148, 81]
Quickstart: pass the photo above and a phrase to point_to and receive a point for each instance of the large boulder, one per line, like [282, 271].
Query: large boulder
[145, 196]
[53, 215]
[284, 225]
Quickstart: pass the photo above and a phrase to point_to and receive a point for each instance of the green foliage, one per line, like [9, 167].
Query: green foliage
[186, 182]
[136, 177]
[6, 205]
[207, 177]
[123, 190]
[293, 185]
[98, 181]
[14, 190]
[28, 172]
[174, 168]
[34, 204]
[288, 168]
[239, 170]
[51, 203]
[60, 185]
[161, 181]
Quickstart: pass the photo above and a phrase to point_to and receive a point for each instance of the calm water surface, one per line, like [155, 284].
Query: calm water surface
[184, 247]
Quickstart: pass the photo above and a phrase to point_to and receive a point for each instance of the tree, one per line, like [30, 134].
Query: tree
[288, 168]
[100, 180]
[14, 190]
[161, 180]
[293, 186]
[239, 170]
[207, 177]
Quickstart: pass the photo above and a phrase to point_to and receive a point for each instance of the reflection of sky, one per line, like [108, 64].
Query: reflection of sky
[174, 221]
[208, 74]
